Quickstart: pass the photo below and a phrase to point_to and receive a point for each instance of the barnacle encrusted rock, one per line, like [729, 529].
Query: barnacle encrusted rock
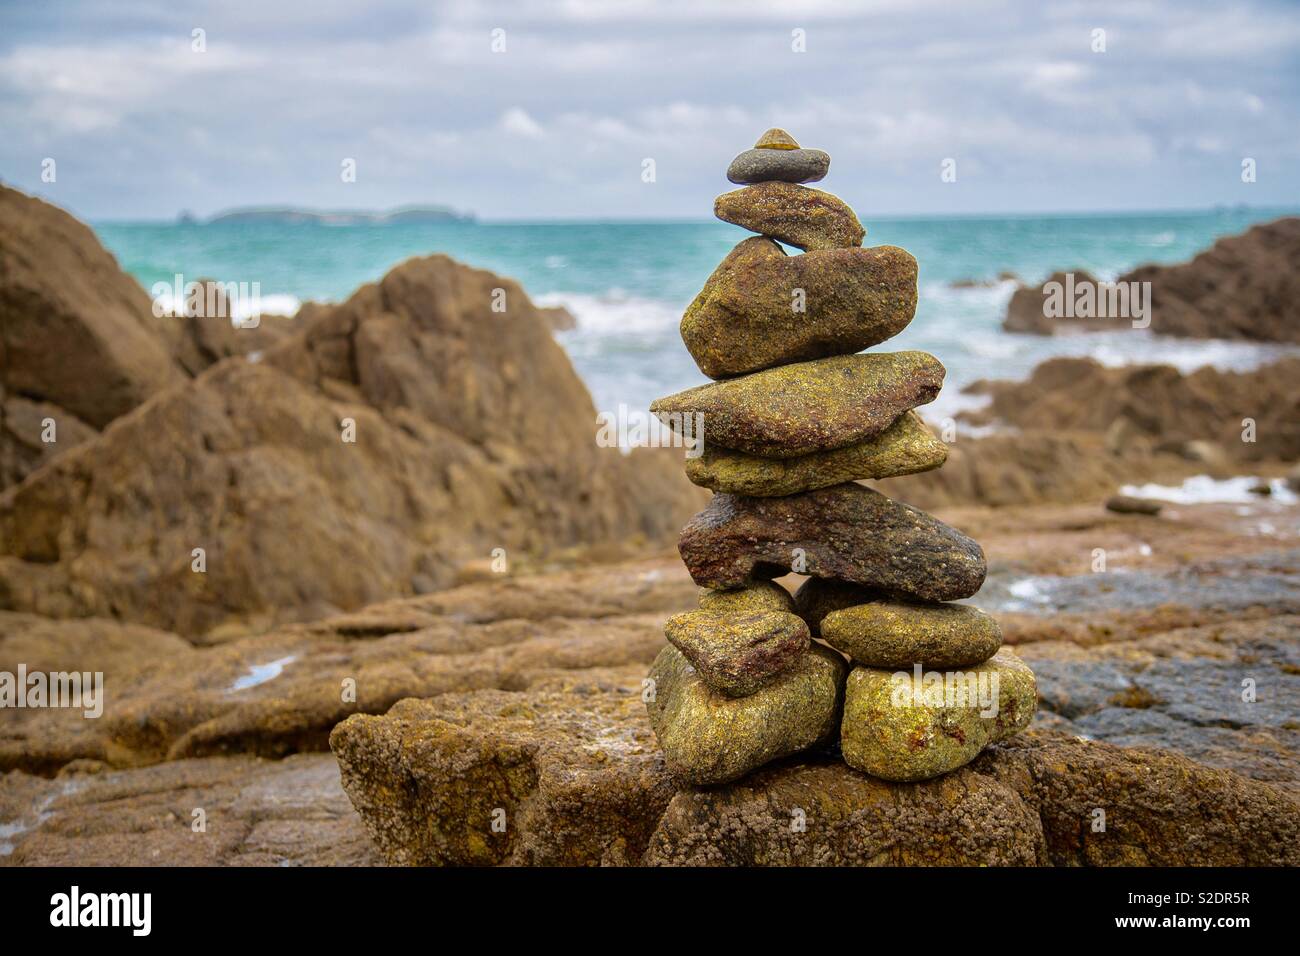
[762, 308]
[736, 653]
[904, 448]
[902, 728]
[796, 215]
[847, 532]
[710, 738]
[896, 634]
[810, 406]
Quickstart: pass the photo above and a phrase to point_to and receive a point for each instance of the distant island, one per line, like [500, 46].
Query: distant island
[340, 217]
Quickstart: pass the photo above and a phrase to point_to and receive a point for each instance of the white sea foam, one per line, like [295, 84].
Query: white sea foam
[1202, 489]
[260, 674]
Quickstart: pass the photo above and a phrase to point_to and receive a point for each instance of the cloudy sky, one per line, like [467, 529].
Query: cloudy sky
[558, 124]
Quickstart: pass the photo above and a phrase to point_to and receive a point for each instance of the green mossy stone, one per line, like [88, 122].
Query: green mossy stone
[808, 407]
[762, 308]
[761, 596]
[796, 215]
[886, 735]
[905, 448]
[891, 634]
[738, 653]
[710, 738]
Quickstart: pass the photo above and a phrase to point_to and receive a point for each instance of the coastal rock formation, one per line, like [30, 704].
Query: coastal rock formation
[1242, 287]
[395, 437]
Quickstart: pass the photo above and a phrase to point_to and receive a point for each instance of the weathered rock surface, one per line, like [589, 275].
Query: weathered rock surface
[471, 430]
[1128, 505]
[761, 596]
[786, 165]
[809, 407]
[762, 308]
[75, 331]
[818, 597]
[736, 653]
[904, 448]
[1242, 287]
[847, 532]
[796, 215]
[906, 739]
[898, 635]
[710, 738]
[507, 778]
[24, 424]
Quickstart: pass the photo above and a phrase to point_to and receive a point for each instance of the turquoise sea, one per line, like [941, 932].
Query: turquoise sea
[628, 283]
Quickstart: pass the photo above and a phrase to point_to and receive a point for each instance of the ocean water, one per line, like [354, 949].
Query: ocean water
[628, 283]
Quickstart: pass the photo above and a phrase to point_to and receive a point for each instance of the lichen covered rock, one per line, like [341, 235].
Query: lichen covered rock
[760, 596]
[737, 652]
[762, 308]
[810, 406]
[895, 634]
[904, 448]
[899, 728]
[710, 738]
[796, 215]
[847, 532]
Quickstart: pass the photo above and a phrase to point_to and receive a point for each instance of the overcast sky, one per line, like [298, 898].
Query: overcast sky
[140, 125]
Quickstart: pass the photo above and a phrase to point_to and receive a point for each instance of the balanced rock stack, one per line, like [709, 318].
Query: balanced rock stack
[796, 417]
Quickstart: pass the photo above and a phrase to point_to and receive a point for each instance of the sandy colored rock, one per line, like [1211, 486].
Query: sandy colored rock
[736, 653]
[23, 426]
[889, 734]
[847, 532]
[809, 407]
[904, 448]
[760, 596]
[472, 432]
[787, 165]
[806, 218]
[565, 784]
[898, 635]
[776, 138]
[762, 308]
[710, 738]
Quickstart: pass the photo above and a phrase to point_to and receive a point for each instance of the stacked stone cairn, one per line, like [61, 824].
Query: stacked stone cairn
[796, 416]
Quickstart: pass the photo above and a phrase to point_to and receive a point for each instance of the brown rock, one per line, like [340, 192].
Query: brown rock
[738, 653]
[1128, 505]
[847, 532]
[761, 308]
[818, 597]
[809, 407]
[1028, 306]
[796, 215]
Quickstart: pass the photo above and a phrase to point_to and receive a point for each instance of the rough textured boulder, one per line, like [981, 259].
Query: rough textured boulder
[896, 634]
[472, 433]
[847, 532]
[761, 308]
[802, 217]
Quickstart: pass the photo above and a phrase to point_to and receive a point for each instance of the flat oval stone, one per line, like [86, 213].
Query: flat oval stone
[848, 532]
[796, 215]
[890, 634]
[737, 653]
[760, 596]
[807, 407]
[710, 738]
[786, 165]
[776, 138]
[762, 308]
[904, 448]
[897, 729]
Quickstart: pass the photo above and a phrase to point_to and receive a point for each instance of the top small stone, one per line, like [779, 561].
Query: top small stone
[776, 139]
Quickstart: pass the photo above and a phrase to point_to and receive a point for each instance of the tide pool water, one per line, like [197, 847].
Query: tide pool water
[628, 283]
